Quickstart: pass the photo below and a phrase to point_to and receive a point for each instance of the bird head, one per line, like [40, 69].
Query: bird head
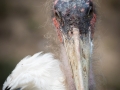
[73, 14]
[74, 21]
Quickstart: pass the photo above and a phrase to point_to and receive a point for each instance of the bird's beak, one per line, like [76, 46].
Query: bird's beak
[78, 50]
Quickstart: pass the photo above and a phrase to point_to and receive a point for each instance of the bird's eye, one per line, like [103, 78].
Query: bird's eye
[58, 16]
[90, 10]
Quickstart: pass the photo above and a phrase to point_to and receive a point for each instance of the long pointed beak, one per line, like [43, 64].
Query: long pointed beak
[78, 50]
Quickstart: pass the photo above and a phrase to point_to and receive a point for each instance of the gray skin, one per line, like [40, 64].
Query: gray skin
[77, 13]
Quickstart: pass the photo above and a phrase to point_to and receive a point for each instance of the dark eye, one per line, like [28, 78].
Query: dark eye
[57, 15]
[90, 10]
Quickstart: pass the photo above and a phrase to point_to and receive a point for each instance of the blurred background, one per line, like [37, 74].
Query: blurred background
[26, 28]
[106, 55]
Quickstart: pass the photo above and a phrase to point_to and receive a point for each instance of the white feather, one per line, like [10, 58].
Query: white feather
[37, 72]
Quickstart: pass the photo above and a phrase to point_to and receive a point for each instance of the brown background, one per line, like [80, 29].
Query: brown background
[26, 28]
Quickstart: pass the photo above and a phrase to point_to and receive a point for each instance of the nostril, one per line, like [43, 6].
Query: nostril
[68, 15]
[70, 33]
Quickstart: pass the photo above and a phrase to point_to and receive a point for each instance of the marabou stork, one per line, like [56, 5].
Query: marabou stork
[74, 21]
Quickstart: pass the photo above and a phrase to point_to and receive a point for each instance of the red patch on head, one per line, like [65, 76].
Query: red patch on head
[92, 22]
[57, 25]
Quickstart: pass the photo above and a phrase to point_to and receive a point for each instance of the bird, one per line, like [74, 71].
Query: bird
[74, 21]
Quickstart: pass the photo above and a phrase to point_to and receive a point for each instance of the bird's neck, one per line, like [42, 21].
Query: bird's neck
[67, 69]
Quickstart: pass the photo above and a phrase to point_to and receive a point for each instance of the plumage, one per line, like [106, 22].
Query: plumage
[37, 72]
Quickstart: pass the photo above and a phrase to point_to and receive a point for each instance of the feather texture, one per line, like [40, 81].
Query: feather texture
[37, 72]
